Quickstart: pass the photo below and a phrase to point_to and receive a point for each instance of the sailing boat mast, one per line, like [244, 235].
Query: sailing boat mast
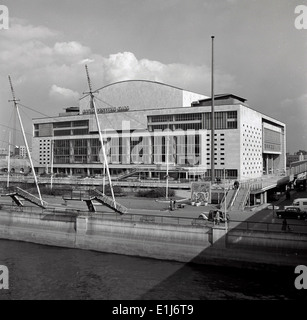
[93, 106]
[104, 171]
[9, 162]
[25, 139]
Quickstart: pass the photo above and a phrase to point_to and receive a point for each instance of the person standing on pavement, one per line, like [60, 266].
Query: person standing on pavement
[288, 195]
[285, 226]
[217, 217]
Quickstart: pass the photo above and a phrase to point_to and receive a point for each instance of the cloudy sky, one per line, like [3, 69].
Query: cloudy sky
[259, 53]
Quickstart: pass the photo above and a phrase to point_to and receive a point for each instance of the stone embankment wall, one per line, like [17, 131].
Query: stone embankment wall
[184, 243]
[161, 241]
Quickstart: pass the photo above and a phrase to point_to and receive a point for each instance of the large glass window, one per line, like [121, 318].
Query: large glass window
[61, 151]
[80, 131]
[67, 128]
[95, 147]
[81, 123]
[64, 124]
[79, 147]
[62, 133]
[162, 118]
[219, 173]
[223, 120]
[272, 140]
[188, 117]
[188, 126]
[158, 127]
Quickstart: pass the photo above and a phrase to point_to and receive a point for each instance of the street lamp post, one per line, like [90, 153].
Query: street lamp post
[225, 202]
[212, 115]
[167, 170]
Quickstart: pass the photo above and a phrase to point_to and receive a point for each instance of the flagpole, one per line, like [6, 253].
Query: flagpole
[212, 114]
[225, 202]
[52, 155]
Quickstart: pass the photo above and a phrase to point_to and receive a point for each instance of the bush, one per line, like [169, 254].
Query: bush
[143, 193]
[118, 191]
[47, 191]
[155, 193]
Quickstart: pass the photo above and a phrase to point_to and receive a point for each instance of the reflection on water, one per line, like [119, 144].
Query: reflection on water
[43, 272]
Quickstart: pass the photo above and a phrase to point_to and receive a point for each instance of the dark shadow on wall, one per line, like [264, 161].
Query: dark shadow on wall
[237, 272]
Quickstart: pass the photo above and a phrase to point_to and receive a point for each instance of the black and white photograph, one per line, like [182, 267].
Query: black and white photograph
[153, 153]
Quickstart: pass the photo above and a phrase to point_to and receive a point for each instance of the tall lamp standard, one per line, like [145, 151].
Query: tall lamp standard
[212, 113]
[167, 152]
[225, 202]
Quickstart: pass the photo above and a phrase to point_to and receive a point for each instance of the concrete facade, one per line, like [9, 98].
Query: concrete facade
[150, 125]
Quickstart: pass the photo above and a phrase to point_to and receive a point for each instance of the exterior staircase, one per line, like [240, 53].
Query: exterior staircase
[229, 198]
[20, 193]
[107, 201]
[241, 199]
[127, 174]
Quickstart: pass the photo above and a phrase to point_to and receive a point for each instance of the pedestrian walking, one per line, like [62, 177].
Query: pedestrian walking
[288, 195]
[285, 226]
[217, 217]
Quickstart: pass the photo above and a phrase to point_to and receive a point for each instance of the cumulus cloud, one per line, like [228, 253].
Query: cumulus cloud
[51, 73]
[62, 63]
[71, 48]
[59, 92]
[20, 30]
[85, 61]
[125, 65]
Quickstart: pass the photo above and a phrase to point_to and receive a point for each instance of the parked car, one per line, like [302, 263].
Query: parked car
[299, 203]
[291, 213]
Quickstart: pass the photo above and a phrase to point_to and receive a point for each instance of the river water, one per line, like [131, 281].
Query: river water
[46, 272]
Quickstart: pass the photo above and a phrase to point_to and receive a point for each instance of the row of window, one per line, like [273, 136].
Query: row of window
[175, 117]
[181, 150]
[70, 132]
[219, 173]
[44, 152]
[177, 126]
[223, 120]
[69, 124]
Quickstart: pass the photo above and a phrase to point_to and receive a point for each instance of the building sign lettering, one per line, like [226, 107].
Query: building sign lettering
[107, 110]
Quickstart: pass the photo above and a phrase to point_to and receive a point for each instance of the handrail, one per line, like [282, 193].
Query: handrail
[108, 201]
[229, 199]
[245, 197]
[127, 174]
[234, 197]
[186, 221]
[28, 196]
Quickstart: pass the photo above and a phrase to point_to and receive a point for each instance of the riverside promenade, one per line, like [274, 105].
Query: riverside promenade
[252, 238]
